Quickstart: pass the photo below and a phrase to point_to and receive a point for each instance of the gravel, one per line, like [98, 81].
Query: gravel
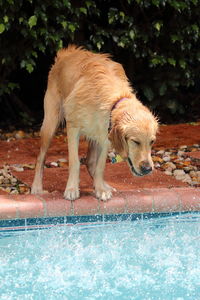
[173, 162]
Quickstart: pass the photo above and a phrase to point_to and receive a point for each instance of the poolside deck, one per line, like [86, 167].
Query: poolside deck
[153, 193]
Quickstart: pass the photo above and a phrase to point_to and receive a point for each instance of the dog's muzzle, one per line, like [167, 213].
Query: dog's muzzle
[132, 168]
[144, 167]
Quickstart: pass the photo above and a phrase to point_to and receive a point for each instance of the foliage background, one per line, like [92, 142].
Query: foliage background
[157, 41]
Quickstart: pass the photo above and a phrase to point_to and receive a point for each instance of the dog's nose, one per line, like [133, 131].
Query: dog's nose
[145, 167]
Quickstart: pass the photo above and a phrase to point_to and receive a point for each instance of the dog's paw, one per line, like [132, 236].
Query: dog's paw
[103, 194]
[38, 190]
[71, 194]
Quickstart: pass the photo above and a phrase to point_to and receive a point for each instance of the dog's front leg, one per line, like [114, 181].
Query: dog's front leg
[103, 191]
[93, 153]
[72, 188]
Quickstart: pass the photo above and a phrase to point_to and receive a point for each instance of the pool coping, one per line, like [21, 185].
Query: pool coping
[151, 201]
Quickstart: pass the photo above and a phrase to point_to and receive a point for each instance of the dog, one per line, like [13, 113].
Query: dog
[92, 93]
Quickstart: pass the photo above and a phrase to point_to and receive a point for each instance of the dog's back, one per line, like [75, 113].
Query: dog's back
[98, 74]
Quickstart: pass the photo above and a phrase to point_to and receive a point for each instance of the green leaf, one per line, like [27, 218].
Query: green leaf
[182, 63]
[64, 24]
[172, 105]
[99, 44]
[32, 21]
[162, 89]
[29, 67]
[5, 18]
[148, 93]
[121, 44]
[83, 10]
[156, 2]
[2, 28]
[158, 25]
[71, 27]
[132, 34]
[60, 44]
[21, 20]
[171, 61]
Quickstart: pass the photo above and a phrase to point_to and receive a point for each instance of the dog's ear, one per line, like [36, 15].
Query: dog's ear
[118, 140]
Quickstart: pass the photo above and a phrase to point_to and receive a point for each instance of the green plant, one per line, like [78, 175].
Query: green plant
[157, 41]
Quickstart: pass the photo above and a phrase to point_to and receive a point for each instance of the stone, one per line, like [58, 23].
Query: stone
[169, 165]
[63, 160]
[160, 152]
[20, 134]
[18, 168]
[54, 164]
[192, 173]
[168, 172]
[166, 158]
[197, 174]
[180, 153]
[157, 165]
[178, 173]
[157, 159]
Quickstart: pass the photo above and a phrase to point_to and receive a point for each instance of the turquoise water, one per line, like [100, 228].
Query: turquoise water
[144, 259]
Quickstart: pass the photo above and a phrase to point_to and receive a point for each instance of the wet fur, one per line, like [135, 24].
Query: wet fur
[82, 88]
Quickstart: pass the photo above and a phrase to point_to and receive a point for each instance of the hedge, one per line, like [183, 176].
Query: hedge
[157, 41]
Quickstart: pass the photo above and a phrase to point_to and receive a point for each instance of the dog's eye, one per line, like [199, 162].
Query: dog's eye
[136, 142]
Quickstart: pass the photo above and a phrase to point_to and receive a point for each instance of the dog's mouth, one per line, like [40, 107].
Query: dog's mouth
[132, 168]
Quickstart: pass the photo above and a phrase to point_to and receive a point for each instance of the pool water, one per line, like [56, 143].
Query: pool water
[156, 258]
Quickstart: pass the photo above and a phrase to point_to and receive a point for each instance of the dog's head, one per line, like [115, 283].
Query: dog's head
[133, 137]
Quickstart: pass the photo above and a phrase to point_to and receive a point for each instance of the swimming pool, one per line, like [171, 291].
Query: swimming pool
[148, 258]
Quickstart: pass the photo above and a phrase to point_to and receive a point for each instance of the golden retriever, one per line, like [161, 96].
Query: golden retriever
[92, 93]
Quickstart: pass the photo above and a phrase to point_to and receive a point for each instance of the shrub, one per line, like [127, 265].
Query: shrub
[156, 40]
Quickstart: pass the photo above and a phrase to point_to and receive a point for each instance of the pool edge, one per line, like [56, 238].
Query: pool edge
[156, 200]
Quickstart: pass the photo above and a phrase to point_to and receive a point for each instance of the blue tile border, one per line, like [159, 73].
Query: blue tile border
[45, 223]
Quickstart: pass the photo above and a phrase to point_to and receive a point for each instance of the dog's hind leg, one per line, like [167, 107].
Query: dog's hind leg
[52, 116]
[72, 188]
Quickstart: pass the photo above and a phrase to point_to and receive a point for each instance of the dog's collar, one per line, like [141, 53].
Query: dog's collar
[117, 102]
[113, 107]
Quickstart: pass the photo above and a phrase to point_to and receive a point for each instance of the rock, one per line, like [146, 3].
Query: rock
[178, 173]
[13, 180]
[24, 189]
[1, 179]
[198, 174]
[18, 168]
[187, 178]
[62, 160]
[54, 164]
[169, 165]
[168, 172]
[29, 166]
[183, 147]
[20, 134]
[167, 153]
[188, 159]
[192, 174]
[188, 169]
[157, 165]
[160, 152]
[180, 153]
[63, 164]
[157, 159]
[166, 158]
[14, 192]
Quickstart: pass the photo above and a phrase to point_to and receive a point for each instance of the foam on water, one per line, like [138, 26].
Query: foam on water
[146, 259]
